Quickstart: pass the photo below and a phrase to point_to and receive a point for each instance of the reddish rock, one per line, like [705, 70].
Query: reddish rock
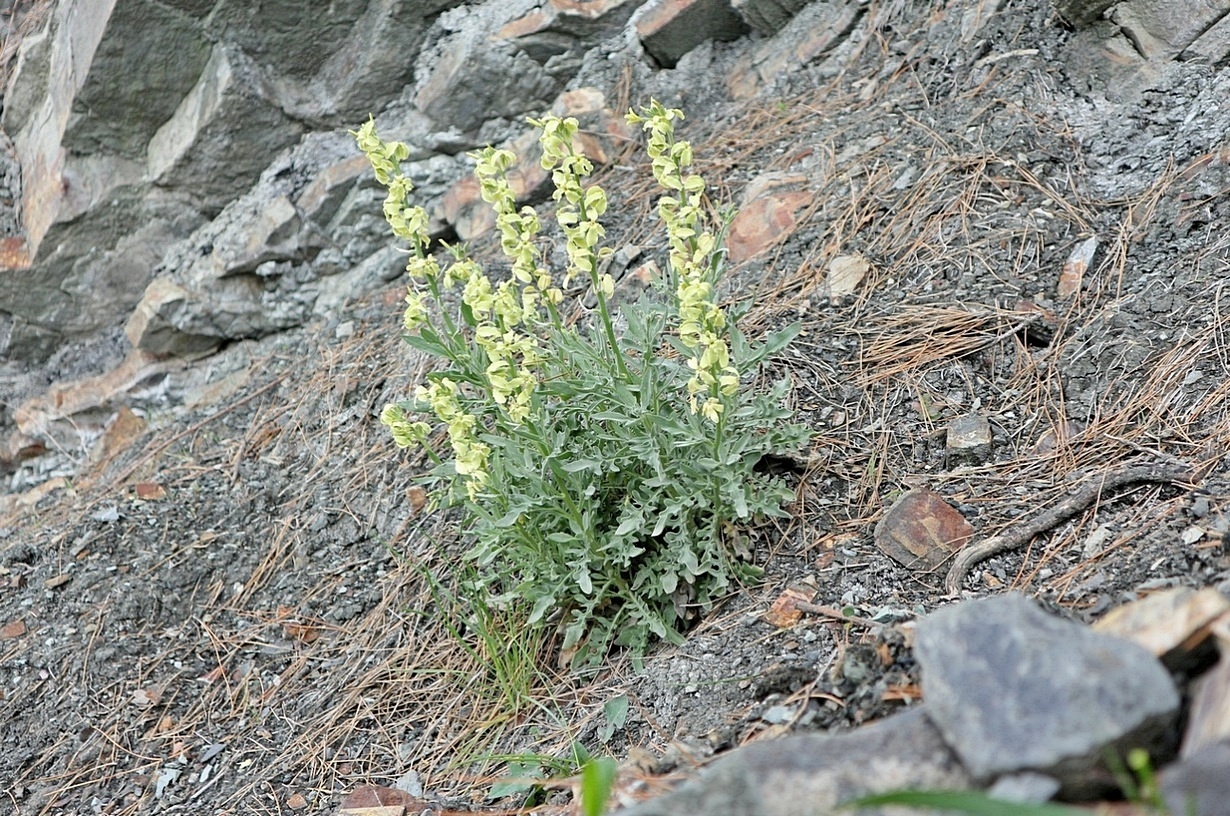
[464, 208]
[769, 214]
[377, 800]
[922, 531]
[121, 432]
[604, 133]
[12, 504]
[672, 28]
[1073, 272]
[14, 253]
[67, 399]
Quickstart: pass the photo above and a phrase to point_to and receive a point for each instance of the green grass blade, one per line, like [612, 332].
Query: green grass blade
[974, 803]
[597, 778]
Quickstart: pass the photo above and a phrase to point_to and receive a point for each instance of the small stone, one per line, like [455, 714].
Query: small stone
[1173, 624]
[778, 715]
[1198, 785]
[922, 531]
[1013, 688]
[1055, 438]
[1024, 787]
[785, 611]
[1073, 272]
[150, 491]
[969, 436]
[845, 273]
[377, 800]
[410, 783]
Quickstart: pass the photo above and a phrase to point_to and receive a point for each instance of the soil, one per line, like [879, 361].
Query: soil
[232, 614]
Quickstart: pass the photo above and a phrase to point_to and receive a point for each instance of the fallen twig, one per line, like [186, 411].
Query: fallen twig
[1082, 497]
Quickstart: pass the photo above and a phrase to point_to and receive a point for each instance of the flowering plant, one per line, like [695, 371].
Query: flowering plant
[603, 471]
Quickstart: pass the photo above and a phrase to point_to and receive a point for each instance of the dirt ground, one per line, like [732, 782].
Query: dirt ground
[232, 616]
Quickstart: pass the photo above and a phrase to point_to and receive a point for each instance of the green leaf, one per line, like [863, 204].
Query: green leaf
[520, 779]
[541, 606]
[633, 521]
[597, 780]
[616, 710]
[975, 803]
[427, 342]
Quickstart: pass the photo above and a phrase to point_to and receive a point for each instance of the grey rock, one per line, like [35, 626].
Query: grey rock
[1163, 28]
[28, 80]
[1081, 13]
[1211, 47]
[468, 77]
[768, 16]
[1199, 784]
[668, 31]
[135, 120]
[335, 67]
[250, 271]
[194, 152]
[812, 774]
[558, 33]
[1013, 688]
[105, 258]
[145, 83]
[968, 439]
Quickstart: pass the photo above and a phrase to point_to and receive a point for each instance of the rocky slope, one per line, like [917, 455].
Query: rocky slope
[994, 211]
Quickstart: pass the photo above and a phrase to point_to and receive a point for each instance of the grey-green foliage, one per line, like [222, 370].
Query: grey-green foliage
[607, 477]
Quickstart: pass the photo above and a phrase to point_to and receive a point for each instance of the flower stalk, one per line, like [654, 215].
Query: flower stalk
[601, 477]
